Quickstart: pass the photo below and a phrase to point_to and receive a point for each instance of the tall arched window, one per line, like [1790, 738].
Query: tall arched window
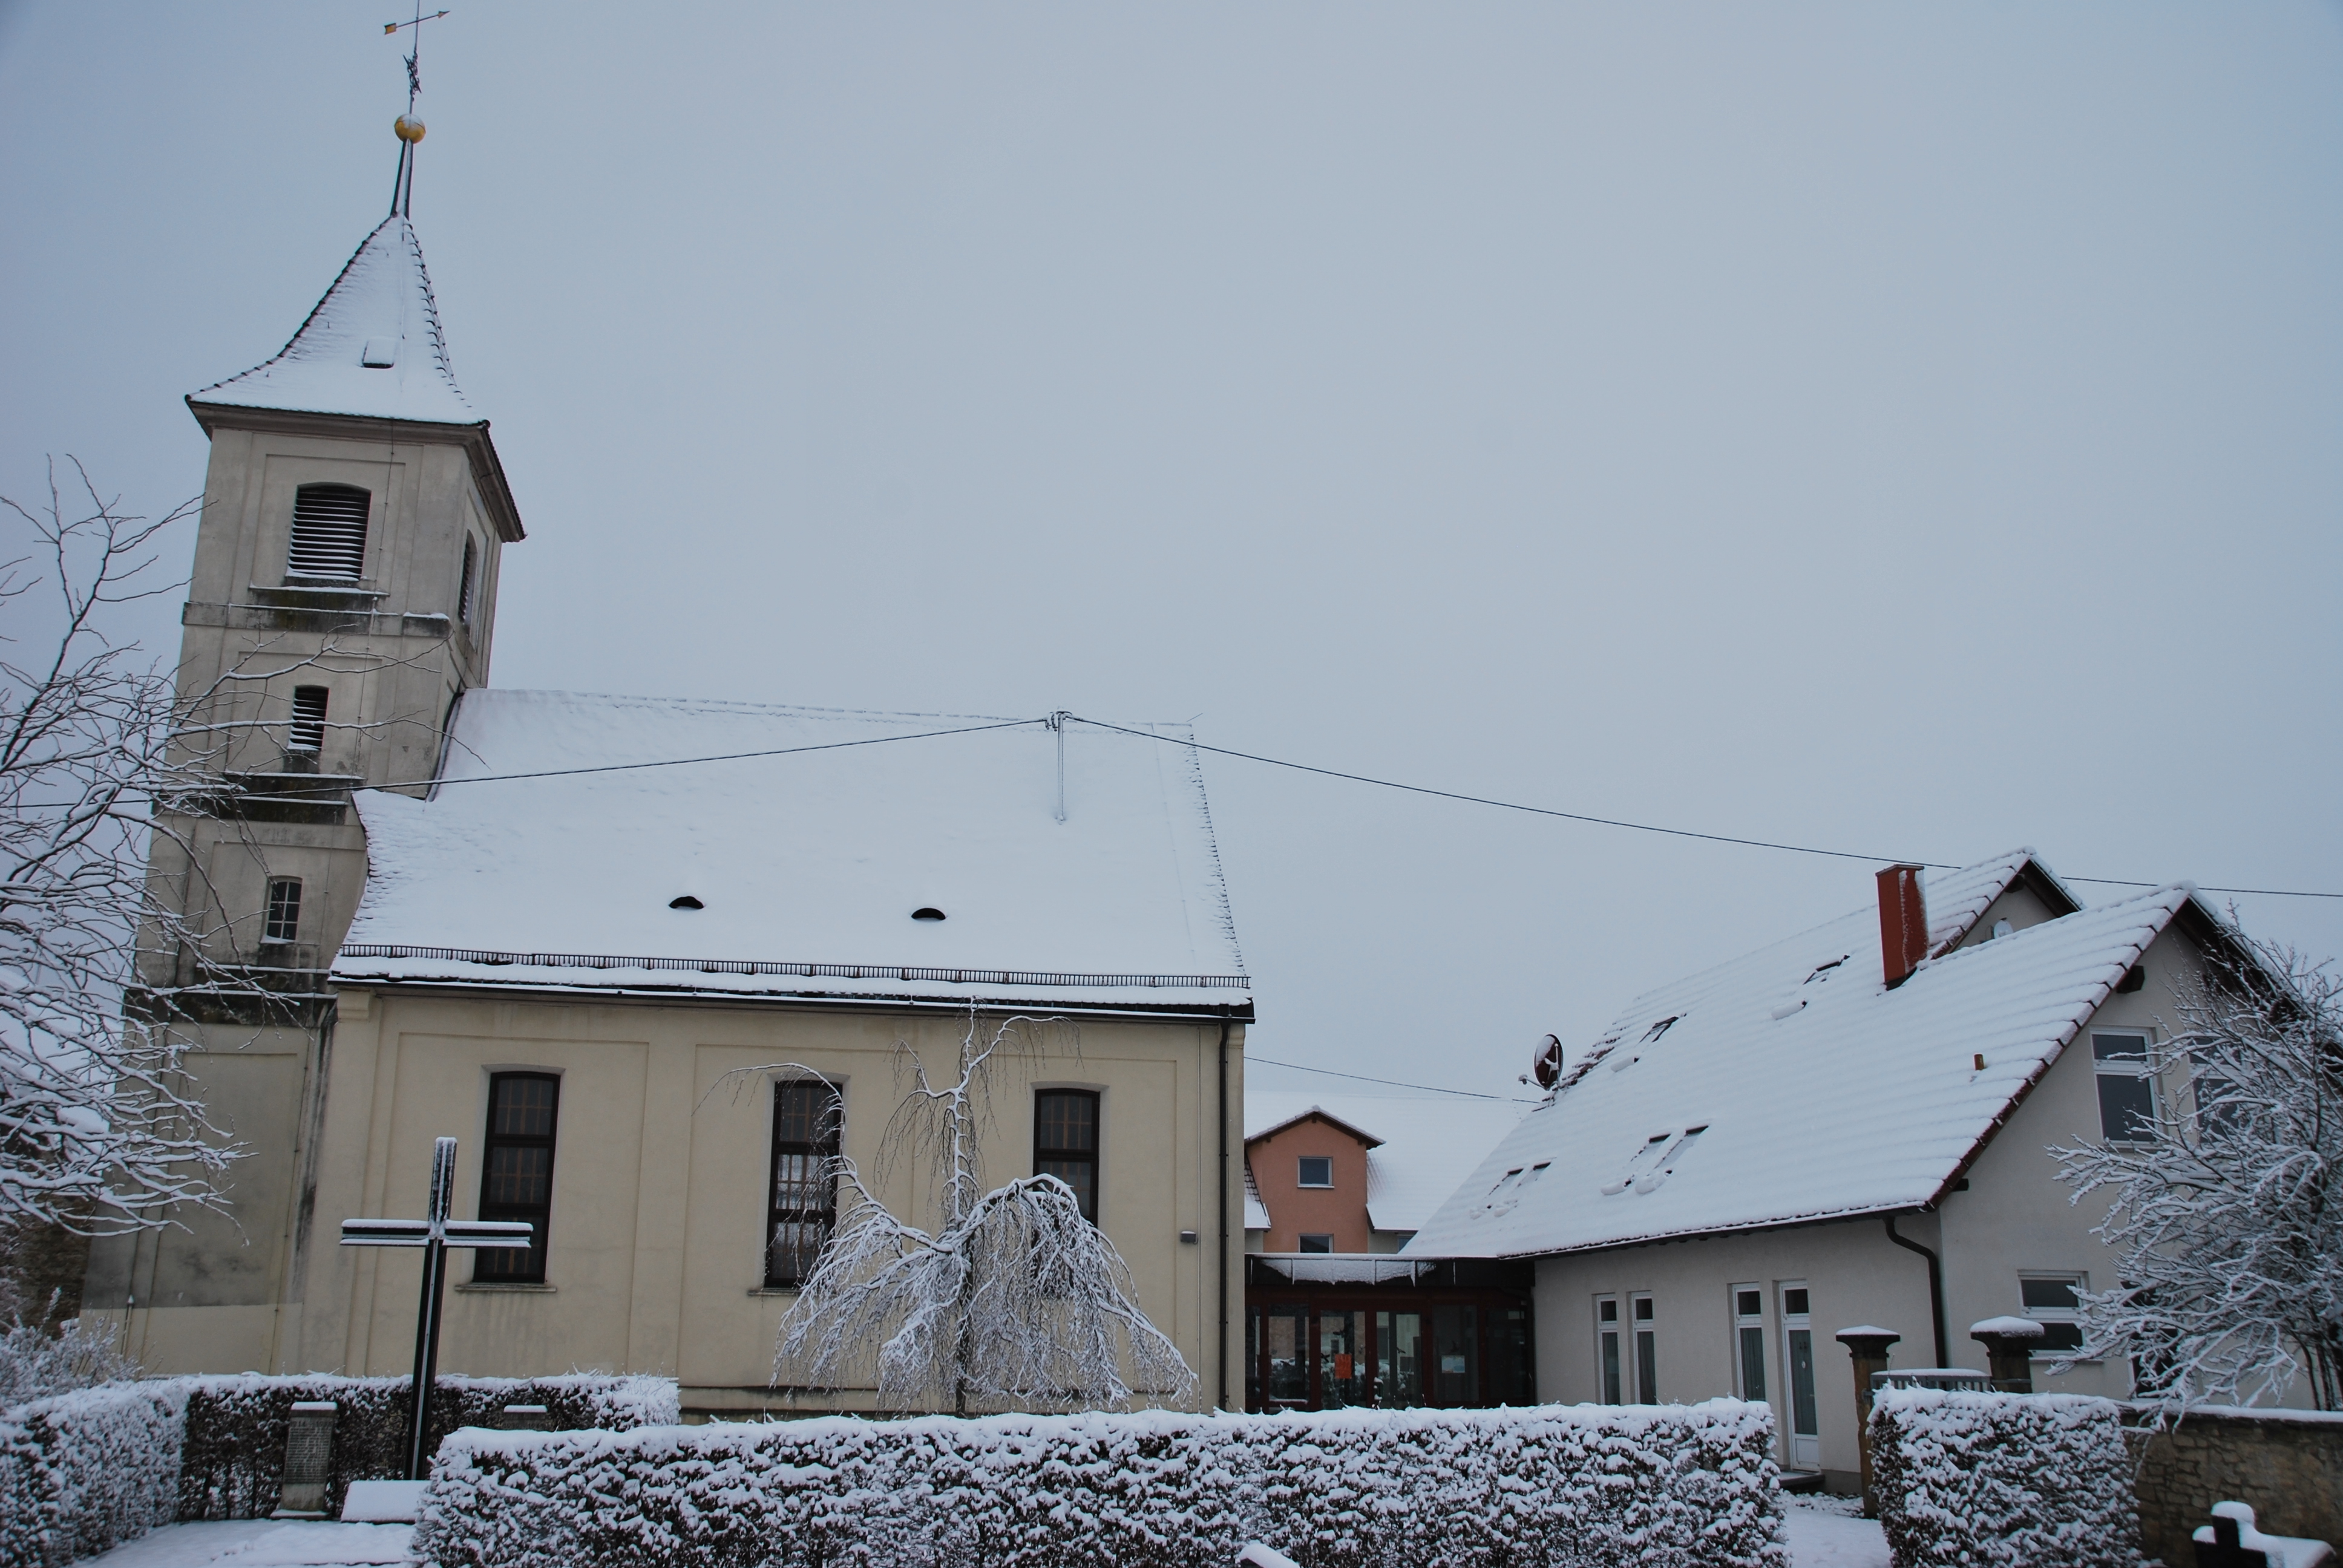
[330, 532]
[1066, 1142]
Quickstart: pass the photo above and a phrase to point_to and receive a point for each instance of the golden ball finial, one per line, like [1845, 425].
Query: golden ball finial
[407, 129]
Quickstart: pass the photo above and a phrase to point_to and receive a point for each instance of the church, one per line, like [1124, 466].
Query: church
[649, 961]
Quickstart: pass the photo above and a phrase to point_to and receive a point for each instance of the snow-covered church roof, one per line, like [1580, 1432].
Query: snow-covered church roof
[371, 347]
[1793, 1085]
[809, 871]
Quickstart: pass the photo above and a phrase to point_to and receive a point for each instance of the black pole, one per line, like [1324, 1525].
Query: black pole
[1221, 1257]
[427, 1359]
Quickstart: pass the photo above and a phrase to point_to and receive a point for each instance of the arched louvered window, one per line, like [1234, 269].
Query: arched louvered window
[330, 532]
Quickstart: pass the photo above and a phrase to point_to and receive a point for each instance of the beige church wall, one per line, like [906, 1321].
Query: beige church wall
[662, 1153]
[1855, 1276]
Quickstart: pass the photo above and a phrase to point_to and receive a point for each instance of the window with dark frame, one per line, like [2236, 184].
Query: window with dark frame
[307, 730]
[517, 1173]
[330, 532]
[801, 1201]
[283, 923]
[1066, 1142]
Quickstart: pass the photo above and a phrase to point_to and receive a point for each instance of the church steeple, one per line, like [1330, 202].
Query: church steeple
[372, 346]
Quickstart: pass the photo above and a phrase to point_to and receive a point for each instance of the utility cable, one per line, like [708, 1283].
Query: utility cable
[1391, 1082]
[1194, 745]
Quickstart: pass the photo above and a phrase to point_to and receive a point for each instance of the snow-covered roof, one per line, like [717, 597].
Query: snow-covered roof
[1427, 1145]
[1256, 1217]
[1793, 1085]
[808, 868]
[371, 347]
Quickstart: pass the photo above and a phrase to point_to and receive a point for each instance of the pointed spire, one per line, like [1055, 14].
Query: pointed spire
[371, 347]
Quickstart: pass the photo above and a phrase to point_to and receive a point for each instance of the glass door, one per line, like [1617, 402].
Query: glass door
[1805, 1444]
[1607, 1341]
[1342, 1360]
[1398, 1359]
[1285, 1344]
[1456, 1382]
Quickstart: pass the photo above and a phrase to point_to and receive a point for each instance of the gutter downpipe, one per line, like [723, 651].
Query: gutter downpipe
[1220, 1267]
[1935, 1286]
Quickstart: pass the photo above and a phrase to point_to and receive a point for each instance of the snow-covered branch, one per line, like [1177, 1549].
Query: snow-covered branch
[2229, 1216]
[1016, 1301]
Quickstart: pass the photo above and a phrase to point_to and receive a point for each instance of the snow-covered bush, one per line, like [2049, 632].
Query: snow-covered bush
[232, 1465]
[81, 1471]
[37, 1365]
[2010, 1479]
[1345, 1489]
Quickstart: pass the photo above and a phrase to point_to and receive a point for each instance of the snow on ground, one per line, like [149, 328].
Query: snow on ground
[263, 1544]
[1830, 1533]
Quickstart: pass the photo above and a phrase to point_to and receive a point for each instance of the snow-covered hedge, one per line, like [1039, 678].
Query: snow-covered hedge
[1348, 1488]
[81, 1471]
[2008, 1480]
[234, 1461]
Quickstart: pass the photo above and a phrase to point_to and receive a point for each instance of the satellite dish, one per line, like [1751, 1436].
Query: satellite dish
[1546, 1065]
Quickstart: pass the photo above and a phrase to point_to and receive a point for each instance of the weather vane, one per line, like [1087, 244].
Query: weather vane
[407, 127]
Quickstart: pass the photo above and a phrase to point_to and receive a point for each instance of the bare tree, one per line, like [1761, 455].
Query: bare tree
[2228, 1211]
[99, 1129]
[1016, 1301]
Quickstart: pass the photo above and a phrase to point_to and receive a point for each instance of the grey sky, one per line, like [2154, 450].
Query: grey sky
[1909, 429]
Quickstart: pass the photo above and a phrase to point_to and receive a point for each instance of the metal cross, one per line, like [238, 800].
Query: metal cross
[435, 1234]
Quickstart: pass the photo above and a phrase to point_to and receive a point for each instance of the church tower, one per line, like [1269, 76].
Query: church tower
[343, 597]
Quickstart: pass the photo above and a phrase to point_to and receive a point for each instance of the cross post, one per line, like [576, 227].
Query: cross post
[434, 1234]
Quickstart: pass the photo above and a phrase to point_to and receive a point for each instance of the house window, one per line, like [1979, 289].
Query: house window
[1066, 1141]
[284, 920]
[464, 583]
[330, 532]
[802, 1205]
[307, 731]
[1647, 1346]
[2049, 1299]
[2127, 1087]
[1317, 1171]
[517, 1173]
[1606, 1346]
[1749, 1341]
[1317, 1243]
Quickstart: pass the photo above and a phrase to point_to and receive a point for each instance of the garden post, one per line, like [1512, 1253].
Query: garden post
[1867, 1347]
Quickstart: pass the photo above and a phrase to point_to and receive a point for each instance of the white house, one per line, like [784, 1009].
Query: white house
[1850, 1127]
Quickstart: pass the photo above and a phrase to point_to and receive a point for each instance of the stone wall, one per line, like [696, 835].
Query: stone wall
[2288, 1464]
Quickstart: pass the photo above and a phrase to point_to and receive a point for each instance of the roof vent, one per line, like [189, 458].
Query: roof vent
[685, 903]
[928, 913]
[379, 354]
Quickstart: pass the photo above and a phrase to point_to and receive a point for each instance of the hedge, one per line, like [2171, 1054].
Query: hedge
[2003, 1479]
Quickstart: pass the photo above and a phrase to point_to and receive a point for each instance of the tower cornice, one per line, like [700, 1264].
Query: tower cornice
[487, 470]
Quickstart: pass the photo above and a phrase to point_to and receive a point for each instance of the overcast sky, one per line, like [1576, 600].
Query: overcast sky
[1905, 429]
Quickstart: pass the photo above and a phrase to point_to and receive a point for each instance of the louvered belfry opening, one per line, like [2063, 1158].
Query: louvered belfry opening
[464, 583]
[330, 532]
[307, 730]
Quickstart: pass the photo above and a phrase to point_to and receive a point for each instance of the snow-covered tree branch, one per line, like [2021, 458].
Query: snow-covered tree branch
[1016, 1301]
[2229, 1217]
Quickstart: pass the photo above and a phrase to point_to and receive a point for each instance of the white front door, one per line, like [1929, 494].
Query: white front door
[1806, 1442]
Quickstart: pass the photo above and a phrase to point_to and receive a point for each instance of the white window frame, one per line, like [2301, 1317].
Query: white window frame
[1302, 1173]
[1301, 1242]
[2145, 1072]
[1644, 1325]
[1611, 1329]
[2077, 1278]
[1743, 1322]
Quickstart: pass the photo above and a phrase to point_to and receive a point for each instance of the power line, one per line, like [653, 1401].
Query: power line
[1634, 826]
[693, 762]
[1390, 1083]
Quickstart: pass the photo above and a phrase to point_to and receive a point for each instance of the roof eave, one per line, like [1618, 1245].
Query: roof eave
[1235, 1012]
[487, 469]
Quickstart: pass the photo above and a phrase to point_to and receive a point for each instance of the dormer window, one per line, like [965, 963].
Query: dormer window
[1316, 1170]
[330, 532]
[464, 583]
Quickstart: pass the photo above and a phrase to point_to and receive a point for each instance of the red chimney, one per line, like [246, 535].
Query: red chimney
[1903, 923]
